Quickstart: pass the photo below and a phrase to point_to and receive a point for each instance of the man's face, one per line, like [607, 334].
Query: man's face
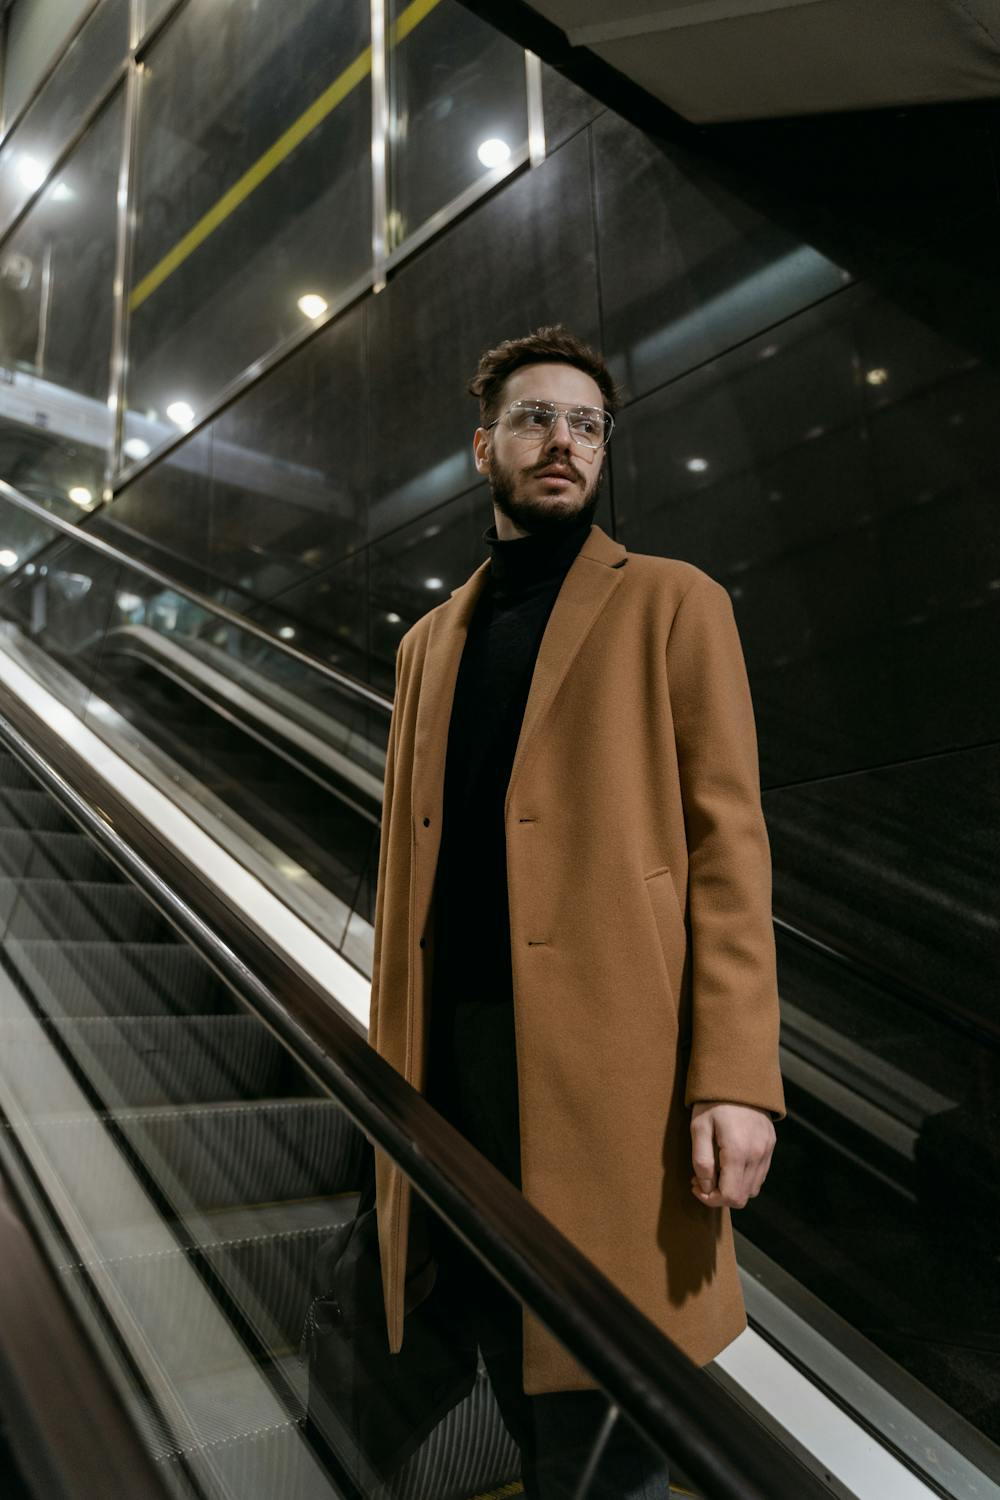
[524, 500]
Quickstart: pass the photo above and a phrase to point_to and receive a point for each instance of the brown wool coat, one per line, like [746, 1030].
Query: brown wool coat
[639, 886]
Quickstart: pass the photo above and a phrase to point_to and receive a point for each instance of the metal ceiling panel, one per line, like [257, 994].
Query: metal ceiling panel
[725, 60]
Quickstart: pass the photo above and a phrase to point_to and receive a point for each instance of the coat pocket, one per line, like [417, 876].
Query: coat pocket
[669, 925]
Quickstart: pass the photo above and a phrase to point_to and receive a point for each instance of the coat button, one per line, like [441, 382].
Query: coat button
[423, 942]
[427, 822]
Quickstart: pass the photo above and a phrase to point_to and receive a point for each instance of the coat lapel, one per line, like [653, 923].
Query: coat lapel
[596, 572]
[449, 629]
[594, 575]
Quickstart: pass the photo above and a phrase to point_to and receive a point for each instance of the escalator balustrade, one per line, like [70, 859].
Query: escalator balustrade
[201, 1167]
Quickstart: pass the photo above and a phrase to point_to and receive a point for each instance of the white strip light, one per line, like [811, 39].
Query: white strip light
[845, 1450]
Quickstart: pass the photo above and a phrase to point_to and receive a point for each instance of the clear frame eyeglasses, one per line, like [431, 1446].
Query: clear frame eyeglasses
[588, 425]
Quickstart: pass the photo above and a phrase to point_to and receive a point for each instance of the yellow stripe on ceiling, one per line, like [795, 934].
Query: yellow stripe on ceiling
[275, 155]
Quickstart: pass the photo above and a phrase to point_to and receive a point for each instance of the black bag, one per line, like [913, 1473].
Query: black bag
[371, 1407]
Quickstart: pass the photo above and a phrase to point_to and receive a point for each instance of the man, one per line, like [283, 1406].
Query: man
[574, 953]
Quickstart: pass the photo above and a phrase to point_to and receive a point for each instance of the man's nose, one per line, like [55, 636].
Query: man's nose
[560, 433]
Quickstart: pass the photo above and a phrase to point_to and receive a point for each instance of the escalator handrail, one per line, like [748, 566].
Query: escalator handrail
[78, 533]
[677, 1405]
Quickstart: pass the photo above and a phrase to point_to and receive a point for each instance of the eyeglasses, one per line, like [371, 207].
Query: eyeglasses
[589, 425]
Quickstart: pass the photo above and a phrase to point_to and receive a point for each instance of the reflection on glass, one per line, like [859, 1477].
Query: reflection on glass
[457, 108]
[148, 12]
[33, 34]
[55, 422]
[272, 756]
[249, 197]
[88, 66]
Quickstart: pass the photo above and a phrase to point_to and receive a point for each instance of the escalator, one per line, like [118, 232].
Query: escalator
[200, 1159]
[186, 1165]
[288, 805]
[199, 1150]
[203, 1163]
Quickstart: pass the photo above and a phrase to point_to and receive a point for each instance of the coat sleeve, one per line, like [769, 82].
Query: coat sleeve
[735, 1011]
[383, 851]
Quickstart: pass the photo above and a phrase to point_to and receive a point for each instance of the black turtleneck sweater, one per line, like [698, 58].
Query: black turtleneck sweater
[472, 1070]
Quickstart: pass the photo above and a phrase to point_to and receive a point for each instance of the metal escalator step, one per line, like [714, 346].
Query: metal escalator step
[20, 809]
[211, 1157]
[270, 1271]
[37, 855]
[233, 1422]
[162, 1060]
[81, 911]
[235, 1445]
[225, 1155]
[470, 1452]
[118, 979]
[13, 773]
[267, 1276]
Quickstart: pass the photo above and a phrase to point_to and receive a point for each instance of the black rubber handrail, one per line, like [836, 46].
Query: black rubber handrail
[677, 1405]
[107, 549]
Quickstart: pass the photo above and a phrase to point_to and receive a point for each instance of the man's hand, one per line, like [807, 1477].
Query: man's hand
[731, 1146]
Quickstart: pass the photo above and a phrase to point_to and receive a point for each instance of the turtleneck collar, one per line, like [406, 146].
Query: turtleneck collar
[538, 558]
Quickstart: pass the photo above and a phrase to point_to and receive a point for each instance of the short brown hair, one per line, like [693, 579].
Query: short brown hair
[545, 345]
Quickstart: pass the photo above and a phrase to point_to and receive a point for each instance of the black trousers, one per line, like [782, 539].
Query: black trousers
[473, 1083]
[556, 1433]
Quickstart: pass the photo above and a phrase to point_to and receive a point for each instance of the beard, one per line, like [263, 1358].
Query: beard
[538, 514]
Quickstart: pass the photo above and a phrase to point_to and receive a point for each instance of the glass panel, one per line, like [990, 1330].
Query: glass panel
[55, 422]
[457, 105]
[148, 12]
[282, 764]
[886, 1157]
[236, 248]
[210, 1209]
[269, 492]
[36, 30]
[27, 156]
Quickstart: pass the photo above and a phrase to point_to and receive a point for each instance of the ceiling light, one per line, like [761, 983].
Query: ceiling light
[31, 172]
[494, 152]
[312, 304]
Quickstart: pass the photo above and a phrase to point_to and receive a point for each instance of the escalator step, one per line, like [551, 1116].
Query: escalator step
[13, 773]
[83, 911]
[231, 1416]
[469, 1453]
[38, 856]
[160, 1060]
[245, 1452]
[20, 809]
[269, 1276]
[118, 979]
[207, 1157]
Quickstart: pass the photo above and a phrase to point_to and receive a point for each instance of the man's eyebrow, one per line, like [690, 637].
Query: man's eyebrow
[546, 401]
